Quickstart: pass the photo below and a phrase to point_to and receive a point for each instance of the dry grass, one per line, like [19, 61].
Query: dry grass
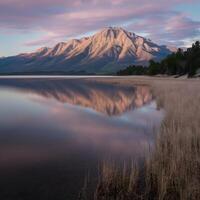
[118, 182]
[173, 169]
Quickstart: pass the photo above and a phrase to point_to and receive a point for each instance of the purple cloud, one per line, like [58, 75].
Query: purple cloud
[68, 18]
[172, 29]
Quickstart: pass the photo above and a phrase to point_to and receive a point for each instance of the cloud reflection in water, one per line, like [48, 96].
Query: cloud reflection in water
[55, 119]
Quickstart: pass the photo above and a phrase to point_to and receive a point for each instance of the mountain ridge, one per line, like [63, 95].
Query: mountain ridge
[107, 51]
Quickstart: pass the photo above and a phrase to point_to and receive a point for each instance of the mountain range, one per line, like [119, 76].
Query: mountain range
[108, 51]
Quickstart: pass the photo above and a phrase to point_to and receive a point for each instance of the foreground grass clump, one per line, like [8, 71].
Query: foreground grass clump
[119, 182]
[173, 169]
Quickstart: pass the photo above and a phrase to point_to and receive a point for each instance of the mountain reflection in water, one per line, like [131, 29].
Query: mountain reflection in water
[53, 130]
[110, 99]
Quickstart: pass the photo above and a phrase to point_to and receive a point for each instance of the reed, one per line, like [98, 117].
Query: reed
[172, 171]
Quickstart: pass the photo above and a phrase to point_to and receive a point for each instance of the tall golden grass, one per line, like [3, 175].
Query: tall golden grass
[172, 172]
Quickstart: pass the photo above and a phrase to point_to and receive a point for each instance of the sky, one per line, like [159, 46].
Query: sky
[26, 25]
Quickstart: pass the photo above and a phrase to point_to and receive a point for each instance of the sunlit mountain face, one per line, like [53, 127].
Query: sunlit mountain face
[109, 99]
[108, 51]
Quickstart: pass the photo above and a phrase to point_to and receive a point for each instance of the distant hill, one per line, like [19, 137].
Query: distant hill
[107, 51]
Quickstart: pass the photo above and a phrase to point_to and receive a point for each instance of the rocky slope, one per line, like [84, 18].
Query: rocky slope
[107, 51]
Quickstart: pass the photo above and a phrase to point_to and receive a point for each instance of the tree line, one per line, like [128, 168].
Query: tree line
[177, 63]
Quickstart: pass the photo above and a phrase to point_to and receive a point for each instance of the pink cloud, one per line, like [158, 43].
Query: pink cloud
[64, 19]
[173, 28]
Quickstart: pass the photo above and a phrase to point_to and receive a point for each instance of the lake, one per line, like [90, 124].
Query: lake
[54, 131]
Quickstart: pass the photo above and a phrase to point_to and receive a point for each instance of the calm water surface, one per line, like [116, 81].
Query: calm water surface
[54, 131]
